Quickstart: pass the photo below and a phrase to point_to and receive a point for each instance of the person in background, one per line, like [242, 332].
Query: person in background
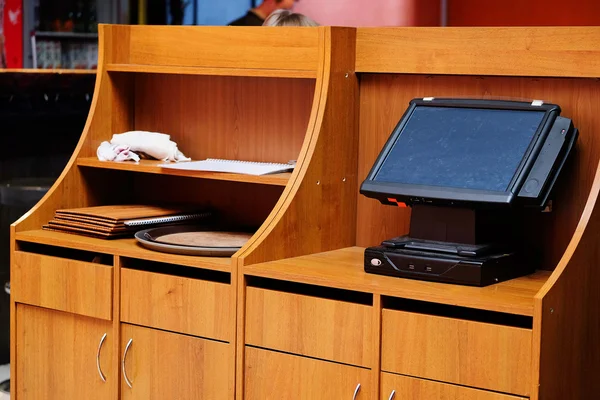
[288, 18]
[257, 15]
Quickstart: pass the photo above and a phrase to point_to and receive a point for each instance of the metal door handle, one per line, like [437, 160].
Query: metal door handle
[123, 363]
[98, 358]
[392, 395]
[356, 391]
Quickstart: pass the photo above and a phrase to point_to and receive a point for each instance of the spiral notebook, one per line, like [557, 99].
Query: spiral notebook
[167, 220]
[232, 166]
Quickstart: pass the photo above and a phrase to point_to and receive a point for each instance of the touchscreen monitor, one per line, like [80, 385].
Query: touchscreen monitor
[448, 151]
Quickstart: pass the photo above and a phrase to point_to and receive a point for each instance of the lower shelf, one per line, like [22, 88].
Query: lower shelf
[344, 269]
[121, 247]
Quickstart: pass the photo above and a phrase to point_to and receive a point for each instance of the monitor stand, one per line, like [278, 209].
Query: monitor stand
[459, 231]
[453, 245]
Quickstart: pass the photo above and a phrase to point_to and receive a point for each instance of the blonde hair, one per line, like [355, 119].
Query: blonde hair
[288, 18]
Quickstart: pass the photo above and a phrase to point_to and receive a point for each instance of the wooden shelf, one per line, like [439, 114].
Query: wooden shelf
[121, 247]
[256, 72]
[343, 269]
[152, 167]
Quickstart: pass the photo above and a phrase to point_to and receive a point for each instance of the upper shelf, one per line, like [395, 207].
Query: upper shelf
[152, 167]
[182, 70]
[121, 247]
[343, 269]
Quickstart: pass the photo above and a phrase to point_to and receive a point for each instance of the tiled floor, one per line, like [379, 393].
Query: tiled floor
[4, 372]
[4, 375]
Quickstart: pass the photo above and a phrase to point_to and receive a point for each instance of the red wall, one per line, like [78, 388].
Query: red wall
[523, 12]
[372, 12]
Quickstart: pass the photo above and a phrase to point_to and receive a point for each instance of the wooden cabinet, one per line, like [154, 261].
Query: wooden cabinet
[272, 375]
[399, 387]
[488, 356]
[162, 365]
[63, 356]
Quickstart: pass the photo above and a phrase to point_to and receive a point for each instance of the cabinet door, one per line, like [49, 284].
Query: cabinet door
[274, 376]
[399, 387]
[161, 365]
[60, 356]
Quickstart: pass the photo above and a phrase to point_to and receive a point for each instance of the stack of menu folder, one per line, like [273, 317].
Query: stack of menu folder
[119, 220]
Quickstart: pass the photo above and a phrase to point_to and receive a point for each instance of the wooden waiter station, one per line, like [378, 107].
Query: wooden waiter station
[293, 315]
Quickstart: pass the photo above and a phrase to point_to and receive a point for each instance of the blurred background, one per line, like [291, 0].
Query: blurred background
[52, 34]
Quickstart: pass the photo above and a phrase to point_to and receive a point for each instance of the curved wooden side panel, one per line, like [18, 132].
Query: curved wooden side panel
[567, 316]
[70, 189]
[326, 171]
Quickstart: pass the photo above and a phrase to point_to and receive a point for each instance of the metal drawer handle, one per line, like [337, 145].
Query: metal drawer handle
[123, 363]
[356, 391]
[392, 395]
[98, 358]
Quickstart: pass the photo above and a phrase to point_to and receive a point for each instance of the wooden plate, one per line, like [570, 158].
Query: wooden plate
[193, 240]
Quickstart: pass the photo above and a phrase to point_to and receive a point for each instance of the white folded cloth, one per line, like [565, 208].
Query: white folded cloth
[156, 145]
[115, 152]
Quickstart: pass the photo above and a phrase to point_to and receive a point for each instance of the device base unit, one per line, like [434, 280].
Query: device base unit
[475, 271]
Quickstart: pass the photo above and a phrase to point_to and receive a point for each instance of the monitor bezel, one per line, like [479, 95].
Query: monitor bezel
[393, 193]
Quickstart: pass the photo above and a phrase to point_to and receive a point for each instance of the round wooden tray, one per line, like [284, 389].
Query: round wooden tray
[192, 240]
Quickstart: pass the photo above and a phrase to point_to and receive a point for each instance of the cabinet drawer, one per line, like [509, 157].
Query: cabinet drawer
[192, 306]
[407, 388]
[487, 356]
[276, 376]
[311, 326]
[62, 284]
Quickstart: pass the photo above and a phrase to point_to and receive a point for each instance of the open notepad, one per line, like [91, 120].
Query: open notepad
[232, 166]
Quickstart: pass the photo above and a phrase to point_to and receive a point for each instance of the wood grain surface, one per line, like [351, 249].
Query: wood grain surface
[468, 353]
[344, 269]
[316, 327]
[224, 47]
[164, 365]
[122, 247]
[57, 356]
[517, 51]
[232, 118]
[212, 71]
[409, 388]
[62, 284]
[190, 306]
[152, 167]
[316, 211]
[274, 376]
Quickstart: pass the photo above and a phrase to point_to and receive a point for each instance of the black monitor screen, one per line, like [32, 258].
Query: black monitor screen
[471, 148]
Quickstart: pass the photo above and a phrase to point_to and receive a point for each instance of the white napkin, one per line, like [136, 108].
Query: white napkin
[156, 145]
[115, 152]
